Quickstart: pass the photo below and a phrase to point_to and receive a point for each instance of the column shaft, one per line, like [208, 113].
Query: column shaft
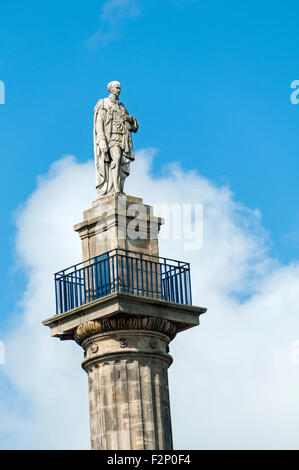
[128, 390]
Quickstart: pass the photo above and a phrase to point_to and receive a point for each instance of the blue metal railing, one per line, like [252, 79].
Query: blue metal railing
[122, 271]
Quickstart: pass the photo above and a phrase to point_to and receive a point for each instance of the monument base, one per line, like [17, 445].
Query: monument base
[119, 221]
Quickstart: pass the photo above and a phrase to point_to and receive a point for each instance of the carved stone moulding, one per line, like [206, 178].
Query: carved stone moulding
[124, 322]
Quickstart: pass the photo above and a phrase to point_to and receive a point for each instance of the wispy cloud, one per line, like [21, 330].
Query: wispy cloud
[115, 11]
[113, 14]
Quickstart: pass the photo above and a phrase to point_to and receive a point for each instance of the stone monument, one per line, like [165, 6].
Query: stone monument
[113, 148]
[123, 304]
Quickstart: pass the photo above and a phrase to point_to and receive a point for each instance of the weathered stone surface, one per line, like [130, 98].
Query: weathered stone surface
[110, 224]
[125, 322]
[181, 315]
[126, 342]
[128, 390]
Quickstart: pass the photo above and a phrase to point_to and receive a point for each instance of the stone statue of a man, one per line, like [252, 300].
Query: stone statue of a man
[113, 147]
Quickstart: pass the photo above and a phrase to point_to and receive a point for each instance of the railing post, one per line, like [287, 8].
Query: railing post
[166, 281]
[161, 280]
[190, 293]
[76, 288]
[56, 295]
[65, 293]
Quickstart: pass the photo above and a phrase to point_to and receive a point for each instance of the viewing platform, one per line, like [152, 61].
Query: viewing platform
[123, 271]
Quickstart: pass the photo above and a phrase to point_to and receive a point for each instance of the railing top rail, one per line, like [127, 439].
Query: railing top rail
[118, 251]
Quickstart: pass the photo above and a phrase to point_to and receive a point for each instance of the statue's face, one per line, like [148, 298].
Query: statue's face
[115, 89]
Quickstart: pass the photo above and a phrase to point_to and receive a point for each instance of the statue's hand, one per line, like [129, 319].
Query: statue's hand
[125, 117]
[103, 146]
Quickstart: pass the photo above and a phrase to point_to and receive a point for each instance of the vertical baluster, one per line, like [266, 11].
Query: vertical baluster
[166, 280]
[104, 284]
[151, 269]
[113, 274]
[190, 292]
[84, 284]
[181, 271]
[99, 281]
[171, 284]
[122, 273]
[56, 293]
[176, 274]
[61, 294]
[162, 282]
[141, 272]
[156, 268]
[172, 270]
[92, 281]
[80, 284]
[117, 277]
[95, 279]
[175, 284]
[71, 290]
[67, 292]
[64, 293]
[88, 281]
[137, 276]
[132, 275]
[185, 287]
[71, 297]
[146, 278]
[76, 288]
[127, 274]
[168, 277]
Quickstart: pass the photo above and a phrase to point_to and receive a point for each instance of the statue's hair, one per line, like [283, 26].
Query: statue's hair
[110, 84]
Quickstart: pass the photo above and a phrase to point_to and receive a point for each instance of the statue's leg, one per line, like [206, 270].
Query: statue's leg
[116, 153]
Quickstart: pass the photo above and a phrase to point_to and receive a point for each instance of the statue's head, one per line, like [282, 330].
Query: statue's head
[114, 88]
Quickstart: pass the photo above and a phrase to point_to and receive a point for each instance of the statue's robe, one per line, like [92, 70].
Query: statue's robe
[108, 126]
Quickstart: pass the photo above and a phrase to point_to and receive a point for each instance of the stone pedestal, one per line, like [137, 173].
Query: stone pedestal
[119, 221]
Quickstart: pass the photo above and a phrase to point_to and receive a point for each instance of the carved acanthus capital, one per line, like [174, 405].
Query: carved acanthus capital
[125, 322]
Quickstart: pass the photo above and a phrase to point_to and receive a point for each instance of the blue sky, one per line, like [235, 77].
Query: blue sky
[209, 83]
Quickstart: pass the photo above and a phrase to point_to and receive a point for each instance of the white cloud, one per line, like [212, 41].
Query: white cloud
[233, 383]
[113, 13]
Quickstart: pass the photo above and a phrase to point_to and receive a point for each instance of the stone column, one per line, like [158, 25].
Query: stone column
[125, 332]
[126, 360]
